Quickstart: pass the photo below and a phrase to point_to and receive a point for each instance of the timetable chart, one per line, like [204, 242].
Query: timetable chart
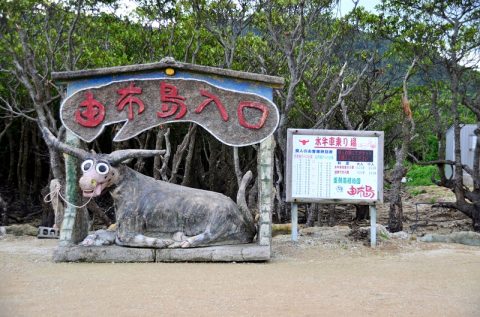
[334, 167]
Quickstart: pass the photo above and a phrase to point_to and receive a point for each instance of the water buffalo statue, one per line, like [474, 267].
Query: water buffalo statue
[157, 214]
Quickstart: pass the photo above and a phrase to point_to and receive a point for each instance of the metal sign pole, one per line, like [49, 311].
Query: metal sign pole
[294, 212]
[373, 226]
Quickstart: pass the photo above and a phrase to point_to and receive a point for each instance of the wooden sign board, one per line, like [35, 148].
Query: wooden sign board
[334, 166]
[234, 116]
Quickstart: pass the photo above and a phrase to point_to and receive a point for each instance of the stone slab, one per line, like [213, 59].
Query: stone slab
[224, 253]
[105, 254]
[102, 254]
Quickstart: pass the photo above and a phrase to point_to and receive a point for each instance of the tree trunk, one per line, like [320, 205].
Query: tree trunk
[440, 134]
[157, 160]
[22, 162]
[187, 178]
[166, 157]
[11, 169]
[180, 152]
[332, 217]
[361, 212]
[476, 218]
[281, 208]
[3, 212]
[395, 216]
[213, 156]
[143, 144]
[312, 214]
[38, 164]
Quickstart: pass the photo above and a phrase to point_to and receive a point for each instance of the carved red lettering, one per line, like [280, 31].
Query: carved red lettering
[92, 115]
[254, 105]
[215, 100]
[127, 98]
[171, 102]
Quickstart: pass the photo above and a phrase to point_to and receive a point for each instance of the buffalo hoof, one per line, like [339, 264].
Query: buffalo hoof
[98, 238]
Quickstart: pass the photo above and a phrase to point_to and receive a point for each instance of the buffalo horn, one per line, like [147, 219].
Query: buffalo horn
[122, 155]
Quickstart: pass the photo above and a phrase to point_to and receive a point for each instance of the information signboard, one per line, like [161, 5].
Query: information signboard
[334, 166]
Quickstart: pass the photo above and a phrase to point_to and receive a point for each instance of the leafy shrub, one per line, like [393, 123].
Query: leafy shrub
[421, 175]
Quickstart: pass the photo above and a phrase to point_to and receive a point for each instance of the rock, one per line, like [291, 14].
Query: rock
[382, 232]
[401, 235]
[22, 230]
[462, 237]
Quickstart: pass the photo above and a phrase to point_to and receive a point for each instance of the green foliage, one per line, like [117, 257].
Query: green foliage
[421, 175]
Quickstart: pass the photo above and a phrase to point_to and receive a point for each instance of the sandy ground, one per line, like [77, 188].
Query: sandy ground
[314, 277]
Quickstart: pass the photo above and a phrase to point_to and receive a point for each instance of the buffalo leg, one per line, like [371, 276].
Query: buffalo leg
[130, 233]
[141, 241]
[204, 238]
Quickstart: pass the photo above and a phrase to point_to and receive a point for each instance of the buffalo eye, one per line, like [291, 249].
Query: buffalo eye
[102, 168]
[86, 165]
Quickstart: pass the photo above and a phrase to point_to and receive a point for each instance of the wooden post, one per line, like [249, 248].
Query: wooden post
[265, 190]
[75, 223]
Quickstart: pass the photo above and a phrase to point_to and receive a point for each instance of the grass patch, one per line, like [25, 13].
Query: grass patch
[421, 175]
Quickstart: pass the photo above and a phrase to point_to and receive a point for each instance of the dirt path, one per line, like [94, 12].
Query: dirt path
[312, 278]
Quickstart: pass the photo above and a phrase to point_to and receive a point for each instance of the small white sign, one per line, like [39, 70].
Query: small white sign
[334, 166]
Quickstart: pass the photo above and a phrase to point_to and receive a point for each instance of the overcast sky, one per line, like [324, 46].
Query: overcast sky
[347, 5]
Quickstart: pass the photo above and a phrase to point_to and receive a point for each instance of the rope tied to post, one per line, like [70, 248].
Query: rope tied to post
[55, 194]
